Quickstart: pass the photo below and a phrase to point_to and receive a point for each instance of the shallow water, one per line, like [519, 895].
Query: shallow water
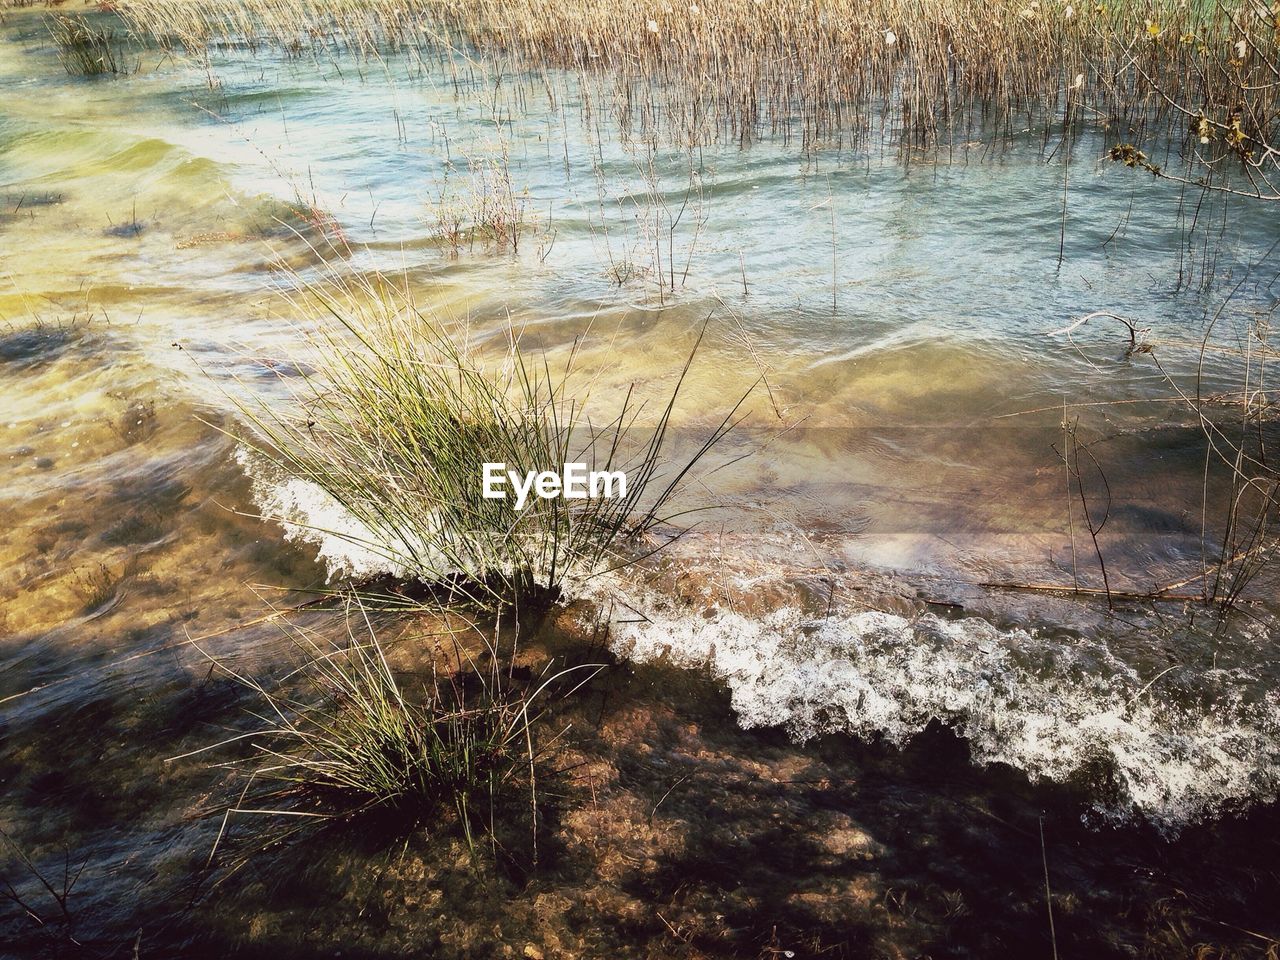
[908, 426]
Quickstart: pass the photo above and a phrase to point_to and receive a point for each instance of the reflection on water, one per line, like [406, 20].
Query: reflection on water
[911, 419]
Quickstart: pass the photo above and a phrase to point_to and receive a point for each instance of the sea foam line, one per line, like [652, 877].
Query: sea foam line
[1066, 712]
[1057, 710]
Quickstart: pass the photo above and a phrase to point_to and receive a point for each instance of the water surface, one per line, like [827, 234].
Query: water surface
[909, 424]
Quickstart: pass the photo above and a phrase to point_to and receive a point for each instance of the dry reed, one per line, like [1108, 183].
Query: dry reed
[740, 68]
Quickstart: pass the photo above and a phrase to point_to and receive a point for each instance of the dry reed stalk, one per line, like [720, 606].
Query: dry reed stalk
[745, 68]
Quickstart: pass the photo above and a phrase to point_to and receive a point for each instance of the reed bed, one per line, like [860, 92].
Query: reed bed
[931, 72]
[86, 50]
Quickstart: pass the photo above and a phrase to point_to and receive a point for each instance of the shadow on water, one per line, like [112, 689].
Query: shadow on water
[673, 832]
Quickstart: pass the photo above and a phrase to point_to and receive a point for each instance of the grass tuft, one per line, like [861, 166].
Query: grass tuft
[85, 50]
[394, 417]
[345, 733]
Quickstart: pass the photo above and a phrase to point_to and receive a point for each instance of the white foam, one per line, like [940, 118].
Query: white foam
[1056, 711]
[309, 515]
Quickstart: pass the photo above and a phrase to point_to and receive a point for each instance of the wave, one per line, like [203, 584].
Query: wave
[1061, 710]
[309, 515]
[1068, 712]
